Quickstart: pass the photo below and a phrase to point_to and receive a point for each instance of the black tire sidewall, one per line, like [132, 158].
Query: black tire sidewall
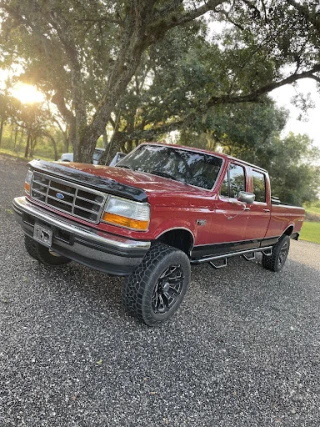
[284, 240]
[271, 262]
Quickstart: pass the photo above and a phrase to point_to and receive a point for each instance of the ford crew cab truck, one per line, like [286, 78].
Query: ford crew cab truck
[161, 209]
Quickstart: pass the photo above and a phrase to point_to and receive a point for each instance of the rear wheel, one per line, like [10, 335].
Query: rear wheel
[43, 254]
[156, 288]
[277, 259]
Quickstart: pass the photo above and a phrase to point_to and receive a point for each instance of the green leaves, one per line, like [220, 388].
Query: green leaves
[150, 65]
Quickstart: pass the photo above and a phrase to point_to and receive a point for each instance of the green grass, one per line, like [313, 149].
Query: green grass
[315, 208]
[12, 153]
[20, 155]
[311, 232]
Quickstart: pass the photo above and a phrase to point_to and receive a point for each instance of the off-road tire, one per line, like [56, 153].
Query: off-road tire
[43, 254]
[147, 292]
[277, 259]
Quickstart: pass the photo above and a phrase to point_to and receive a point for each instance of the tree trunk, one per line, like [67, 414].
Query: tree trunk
[132, 46]
[20, 140]
[1, 130]
[105, 138]
[28, 145]
[16, 131]
[32, 146]
[129, 146]
[112, 148]
[54, 144]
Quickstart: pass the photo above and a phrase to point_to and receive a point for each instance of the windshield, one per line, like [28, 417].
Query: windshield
[198, 169]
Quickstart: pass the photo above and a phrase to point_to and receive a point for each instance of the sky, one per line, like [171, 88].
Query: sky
[310, 125]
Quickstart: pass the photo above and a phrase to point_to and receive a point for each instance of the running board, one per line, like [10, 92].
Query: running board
[266, 250]
[224, 264]
[250, 258]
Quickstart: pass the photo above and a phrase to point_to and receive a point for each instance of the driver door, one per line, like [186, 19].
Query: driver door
[231, 216]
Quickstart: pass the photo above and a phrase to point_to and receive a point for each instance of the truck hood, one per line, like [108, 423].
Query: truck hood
[151, 184]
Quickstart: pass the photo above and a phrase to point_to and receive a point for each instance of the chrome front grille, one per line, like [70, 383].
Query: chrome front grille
[67, 197]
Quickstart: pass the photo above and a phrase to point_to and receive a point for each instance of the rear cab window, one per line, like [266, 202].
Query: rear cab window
[259, 186]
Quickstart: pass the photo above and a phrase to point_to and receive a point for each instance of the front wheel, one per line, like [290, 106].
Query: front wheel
[43, 254]
[156, 288]
[277, 259]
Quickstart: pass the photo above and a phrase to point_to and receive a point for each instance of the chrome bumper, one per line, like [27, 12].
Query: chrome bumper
[97, 249]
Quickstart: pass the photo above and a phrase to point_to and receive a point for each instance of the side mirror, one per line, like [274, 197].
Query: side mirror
[245, 197]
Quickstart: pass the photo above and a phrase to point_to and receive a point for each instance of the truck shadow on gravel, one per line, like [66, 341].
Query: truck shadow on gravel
[244, 289]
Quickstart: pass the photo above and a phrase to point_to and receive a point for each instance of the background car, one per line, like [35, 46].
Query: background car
[117, 158]
[68, 157]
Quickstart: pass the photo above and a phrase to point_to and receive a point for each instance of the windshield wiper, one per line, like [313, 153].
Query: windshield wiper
[124, 167]
[164, 174]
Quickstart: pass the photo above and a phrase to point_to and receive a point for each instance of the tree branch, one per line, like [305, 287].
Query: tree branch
[303, 10]
[176, 18]
[316, 78]
[58, 100]
[253, 97]
[150, 134]
[142, 134]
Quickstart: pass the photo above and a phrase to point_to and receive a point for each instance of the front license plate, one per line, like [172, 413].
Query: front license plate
[42, 235]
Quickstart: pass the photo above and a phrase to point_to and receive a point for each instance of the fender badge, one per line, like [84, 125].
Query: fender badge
[201, 222]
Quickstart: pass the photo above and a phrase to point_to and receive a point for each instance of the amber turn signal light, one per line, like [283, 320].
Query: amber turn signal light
[27, 187]
[123, 221]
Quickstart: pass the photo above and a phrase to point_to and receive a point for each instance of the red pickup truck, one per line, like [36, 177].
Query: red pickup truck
[162, 208]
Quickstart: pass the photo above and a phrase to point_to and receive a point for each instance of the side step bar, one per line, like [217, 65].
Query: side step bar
[224, 264]
[250, 257]
[266, 250]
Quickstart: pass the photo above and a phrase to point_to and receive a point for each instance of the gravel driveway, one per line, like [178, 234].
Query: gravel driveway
[242, 351]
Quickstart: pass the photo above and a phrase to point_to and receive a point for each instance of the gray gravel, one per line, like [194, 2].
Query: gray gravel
[242, 351]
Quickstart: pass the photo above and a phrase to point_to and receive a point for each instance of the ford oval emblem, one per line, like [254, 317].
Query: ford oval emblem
[60, 196]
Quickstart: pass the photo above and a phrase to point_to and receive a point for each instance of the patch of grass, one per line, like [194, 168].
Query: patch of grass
[20, 155]
[312, 217]
[313, 208]
[311, 232]
[13, 154]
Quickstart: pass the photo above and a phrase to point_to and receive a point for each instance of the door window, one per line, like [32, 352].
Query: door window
[234, 181]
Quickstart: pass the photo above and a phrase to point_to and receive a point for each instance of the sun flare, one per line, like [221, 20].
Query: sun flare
[27, 94]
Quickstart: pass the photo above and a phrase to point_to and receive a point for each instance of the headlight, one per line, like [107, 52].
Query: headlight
[126, 213]
[27, 182]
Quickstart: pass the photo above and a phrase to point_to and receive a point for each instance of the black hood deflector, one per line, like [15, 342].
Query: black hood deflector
[106, 185]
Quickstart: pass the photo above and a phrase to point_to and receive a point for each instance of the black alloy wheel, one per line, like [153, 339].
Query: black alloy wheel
[156, 288]
[168, 289]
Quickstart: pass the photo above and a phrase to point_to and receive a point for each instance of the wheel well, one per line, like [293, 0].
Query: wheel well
[179, 238]
[289, 231]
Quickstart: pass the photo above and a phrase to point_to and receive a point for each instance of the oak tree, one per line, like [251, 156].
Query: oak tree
[87, 56]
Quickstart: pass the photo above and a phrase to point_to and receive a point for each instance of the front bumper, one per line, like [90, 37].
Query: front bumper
[97, 249]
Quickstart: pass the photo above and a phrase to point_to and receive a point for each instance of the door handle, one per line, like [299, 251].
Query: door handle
[247, 209]
[266, 210]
